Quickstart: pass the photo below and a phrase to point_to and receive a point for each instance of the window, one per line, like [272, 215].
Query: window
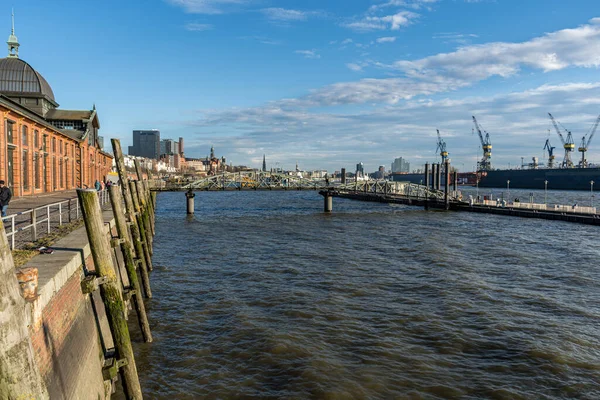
[36, 170]
[10, 128]
[45, 143]
[54, 145]
[36, 139]
[60, 146]
[24, 134]
[25, 167]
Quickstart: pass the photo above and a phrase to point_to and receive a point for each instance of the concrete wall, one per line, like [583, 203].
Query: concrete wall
[63, 323]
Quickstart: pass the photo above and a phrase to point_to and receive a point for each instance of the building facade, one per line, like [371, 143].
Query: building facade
[44, 149]
[146, 143]
[400, 165]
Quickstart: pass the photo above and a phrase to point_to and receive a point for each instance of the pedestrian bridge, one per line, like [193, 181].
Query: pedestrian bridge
[258, 180]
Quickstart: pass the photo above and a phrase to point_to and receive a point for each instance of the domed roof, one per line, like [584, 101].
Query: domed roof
[16, 76]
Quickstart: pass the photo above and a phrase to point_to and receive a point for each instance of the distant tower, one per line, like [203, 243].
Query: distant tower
[212, 152]
[264, 163]
[13, 42]
[297, 169]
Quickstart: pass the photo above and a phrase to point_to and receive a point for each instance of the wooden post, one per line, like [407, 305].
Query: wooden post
[111, 296]
[145, 217]
[19, 374]
[447, 185]
[140, 223]
[145, 198]
[134, 228]
[116, 200]
[426, 186]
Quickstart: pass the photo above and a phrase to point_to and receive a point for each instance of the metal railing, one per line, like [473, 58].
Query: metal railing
[44, 219]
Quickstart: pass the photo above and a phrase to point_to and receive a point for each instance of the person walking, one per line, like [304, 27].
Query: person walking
[97, 185]
[5, 196]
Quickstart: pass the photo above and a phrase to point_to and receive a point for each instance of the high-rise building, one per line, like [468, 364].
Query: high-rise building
[264, 168]
[181, 145]
[146, 143]
[400, 165]
[360, 169]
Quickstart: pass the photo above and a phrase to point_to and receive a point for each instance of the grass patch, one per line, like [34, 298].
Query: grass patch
[30, 250]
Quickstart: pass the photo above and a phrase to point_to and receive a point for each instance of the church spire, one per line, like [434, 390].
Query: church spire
[13, 42]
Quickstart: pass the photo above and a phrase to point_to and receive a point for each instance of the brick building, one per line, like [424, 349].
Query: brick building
[44, 149]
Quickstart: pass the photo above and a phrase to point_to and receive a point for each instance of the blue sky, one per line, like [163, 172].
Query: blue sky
[326, 84]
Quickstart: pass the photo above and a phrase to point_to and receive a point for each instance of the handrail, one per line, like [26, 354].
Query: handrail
[47, 210]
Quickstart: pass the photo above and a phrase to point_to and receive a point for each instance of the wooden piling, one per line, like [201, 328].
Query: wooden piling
[447, 185]
[145, 217]
[427, 186]
[145, 262]
[116, 200]
[146, 197]
[140, 224]
[111, 297]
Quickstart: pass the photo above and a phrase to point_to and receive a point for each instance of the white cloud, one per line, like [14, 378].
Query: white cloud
[347, 41]
[209, 6]
[578, 47]
[308, 53]
[354, 67]
[393, 22]
[282, 14]
[388, 39]
[196, 27]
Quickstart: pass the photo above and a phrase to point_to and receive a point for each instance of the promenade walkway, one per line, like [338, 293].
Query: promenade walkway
[31, 218]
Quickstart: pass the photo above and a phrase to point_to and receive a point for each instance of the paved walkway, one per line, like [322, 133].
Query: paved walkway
[21, 204]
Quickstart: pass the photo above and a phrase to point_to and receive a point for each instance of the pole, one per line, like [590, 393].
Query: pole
[592, 192]
[545, 192]
[327, 203]
[134, 228]
[508, 189]
[190, 201]
[343, 177]
[447, 185]
[116, 200]
[426, 186]
[140, 223]
[111, 296]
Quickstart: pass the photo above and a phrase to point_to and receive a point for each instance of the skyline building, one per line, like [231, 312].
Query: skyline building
[360, 169]
[146, 143]
[264, 166]
[400, 165]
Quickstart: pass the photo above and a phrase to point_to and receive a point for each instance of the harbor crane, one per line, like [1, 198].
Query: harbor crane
[550, 149]
[441, 147]
[486, 162]
[586, 143]
[568, 144]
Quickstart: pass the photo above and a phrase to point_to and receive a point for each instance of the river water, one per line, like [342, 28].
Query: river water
[261, 295]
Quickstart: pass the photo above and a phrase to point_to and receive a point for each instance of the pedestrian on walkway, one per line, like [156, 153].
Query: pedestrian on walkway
[97, 185]
[5, 196]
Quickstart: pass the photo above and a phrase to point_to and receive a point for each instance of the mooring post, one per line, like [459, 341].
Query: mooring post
[113, 303]
[145, 263]
[327, 202]
[146, 195]
[439, 176]
[455, 182]
[426, 186]
[447, 185]
[19, 375]
[343, 177]
[140, 224]
[145, 217]
[189, 195]
[116, 200]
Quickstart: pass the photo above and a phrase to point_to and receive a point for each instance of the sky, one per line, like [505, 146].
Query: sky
[325, 84]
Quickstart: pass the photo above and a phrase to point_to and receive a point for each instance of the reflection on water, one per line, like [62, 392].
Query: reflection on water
[261, 295]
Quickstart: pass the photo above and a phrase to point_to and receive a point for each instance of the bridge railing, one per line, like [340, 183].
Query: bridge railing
[384, 187]
[256, 180]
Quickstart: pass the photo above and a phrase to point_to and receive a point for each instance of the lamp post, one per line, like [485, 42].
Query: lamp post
[545, 192]
[592, 192]
[508, 189]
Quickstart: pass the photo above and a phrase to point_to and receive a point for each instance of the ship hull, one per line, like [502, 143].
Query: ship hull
[557, 178]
